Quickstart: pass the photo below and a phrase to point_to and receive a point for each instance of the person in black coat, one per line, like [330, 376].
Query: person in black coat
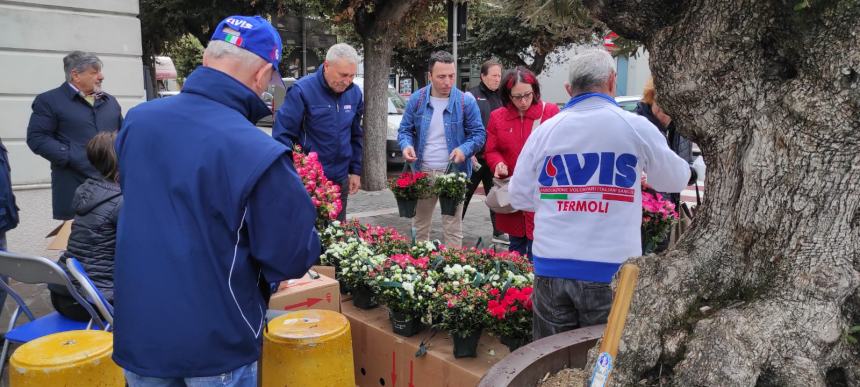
[93, 238]
[64, 120]
[8, 209]
[487, 96]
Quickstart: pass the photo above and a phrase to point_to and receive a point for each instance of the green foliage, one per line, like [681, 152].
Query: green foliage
[852, 334]
[187, 54]
[524, 33]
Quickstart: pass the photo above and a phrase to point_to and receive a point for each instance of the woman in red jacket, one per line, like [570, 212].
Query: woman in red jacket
[507, 130]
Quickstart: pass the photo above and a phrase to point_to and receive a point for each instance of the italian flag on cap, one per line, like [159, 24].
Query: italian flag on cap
[233, 39]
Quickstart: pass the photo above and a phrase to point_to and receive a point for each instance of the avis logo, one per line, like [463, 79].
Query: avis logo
[578, 169]
[239, 23]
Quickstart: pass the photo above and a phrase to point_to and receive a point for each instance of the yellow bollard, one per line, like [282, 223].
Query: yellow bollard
[308, 348]
[73, 358]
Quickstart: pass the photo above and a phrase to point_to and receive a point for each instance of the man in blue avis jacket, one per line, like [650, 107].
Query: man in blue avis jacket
[322, 113]
[214, 212]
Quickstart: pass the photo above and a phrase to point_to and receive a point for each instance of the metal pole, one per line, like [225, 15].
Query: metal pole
[304, 45]
[454, 34]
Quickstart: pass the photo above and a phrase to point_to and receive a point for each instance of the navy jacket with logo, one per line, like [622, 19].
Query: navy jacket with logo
[213, 212]
[322, 121]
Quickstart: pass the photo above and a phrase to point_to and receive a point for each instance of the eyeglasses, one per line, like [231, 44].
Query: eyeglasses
[522, 97]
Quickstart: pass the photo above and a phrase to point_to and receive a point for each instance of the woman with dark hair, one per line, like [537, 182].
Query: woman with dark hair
[509, 126]
[97, 203]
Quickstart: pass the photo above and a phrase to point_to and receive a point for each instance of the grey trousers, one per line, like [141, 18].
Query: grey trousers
[561, 304]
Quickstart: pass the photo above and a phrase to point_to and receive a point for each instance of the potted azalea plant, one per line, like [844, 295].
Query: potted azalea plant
[405, 286]
[464, 316]
[355, 260]
[408, 187]
[451, 189]
[658, 216]
[459, 306]
[325, 195]
[510, 313]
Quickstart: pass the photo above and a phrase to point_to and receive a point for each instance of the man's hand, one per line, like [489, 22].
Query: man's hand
[475, 164]
[409, 154]
[457, 156]
[354, 183]
[501, 170]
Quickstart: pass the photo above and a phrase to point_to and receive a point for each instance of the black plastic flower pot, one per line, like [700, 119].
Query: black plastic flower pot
[404, 324]
[514, 342]
[363, 298]
[449, 205]
[406, 207]
[466, 346]
[344, 288]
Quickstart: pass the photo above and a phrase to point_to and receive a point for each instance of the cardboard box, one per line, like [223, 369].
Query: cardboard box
[307, 293]
[327, 271]
[384, 358]
[61, 236]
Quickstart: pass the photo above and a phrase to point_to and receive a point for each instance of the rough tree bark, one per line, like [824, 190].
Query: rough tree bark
[772, 96]
[378, 27]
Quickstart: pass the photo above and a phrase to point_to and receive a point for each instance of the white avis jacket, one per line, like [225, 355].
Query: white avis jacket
[580, 173]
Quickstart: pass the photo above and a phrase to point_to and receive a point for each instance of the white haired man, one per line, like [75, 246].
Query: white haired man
[322, 113]
[213, 213]
[580, 173]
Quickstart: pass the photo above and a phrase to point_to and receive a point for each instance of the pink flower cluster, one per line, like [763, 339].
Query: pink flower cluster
[405, 260]
[325, 195]
[655, 206]
[374, 234]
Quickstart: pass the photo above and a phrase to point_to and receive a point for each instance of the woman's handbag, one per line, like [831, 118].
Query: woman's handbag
[498, 199]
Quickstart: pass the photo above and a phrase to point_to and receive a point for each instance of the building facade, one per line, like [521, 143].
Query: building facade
[37, 35]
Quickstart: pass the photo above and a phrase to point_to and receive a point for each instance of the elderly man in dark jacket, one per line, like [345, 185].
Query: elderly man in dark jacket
[65, 119]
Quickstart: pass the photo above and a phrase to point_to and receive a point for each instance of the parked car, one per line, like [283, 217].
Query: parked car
[396, 105]
[628, 102]
[275, 96]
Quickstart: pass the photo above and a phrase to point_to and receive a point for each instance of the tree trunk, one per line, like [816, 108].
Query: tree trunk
[378, 24]
[762, 289]
[377, 56]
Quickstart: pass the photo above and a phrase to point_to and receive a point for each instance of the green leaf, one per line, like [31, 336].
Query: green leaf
[506, 287]
[390, 284]
[801, 5]
[478, 280]
[854, 329]
[436, 263]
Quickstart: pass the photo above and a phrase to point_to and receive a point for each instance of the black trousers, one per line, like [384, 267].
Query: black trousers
[68, 307]
[482, 176]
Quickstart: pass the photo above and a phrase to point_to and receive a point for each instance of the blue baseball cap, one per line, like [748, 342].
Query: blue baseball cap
[255, 34]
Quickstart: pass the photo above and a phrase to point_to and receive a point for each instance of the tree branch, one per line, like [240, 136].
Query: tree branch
[637, 20]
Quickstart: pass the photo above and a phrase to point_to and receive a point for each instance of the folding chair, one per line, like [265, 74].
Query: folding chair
[38, 270]
[92, 293]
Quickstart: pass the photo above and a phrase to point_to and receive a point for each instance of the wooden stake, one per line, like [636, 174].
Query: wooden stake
[615, 325]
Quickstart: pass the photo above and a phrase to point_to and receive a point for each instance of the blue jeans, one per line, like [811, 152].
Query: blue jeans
[244, 376]
[522, 245]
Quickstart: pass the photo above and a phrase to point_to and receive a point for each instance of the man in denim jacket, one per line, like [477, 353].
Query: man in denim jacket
[441, 124]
